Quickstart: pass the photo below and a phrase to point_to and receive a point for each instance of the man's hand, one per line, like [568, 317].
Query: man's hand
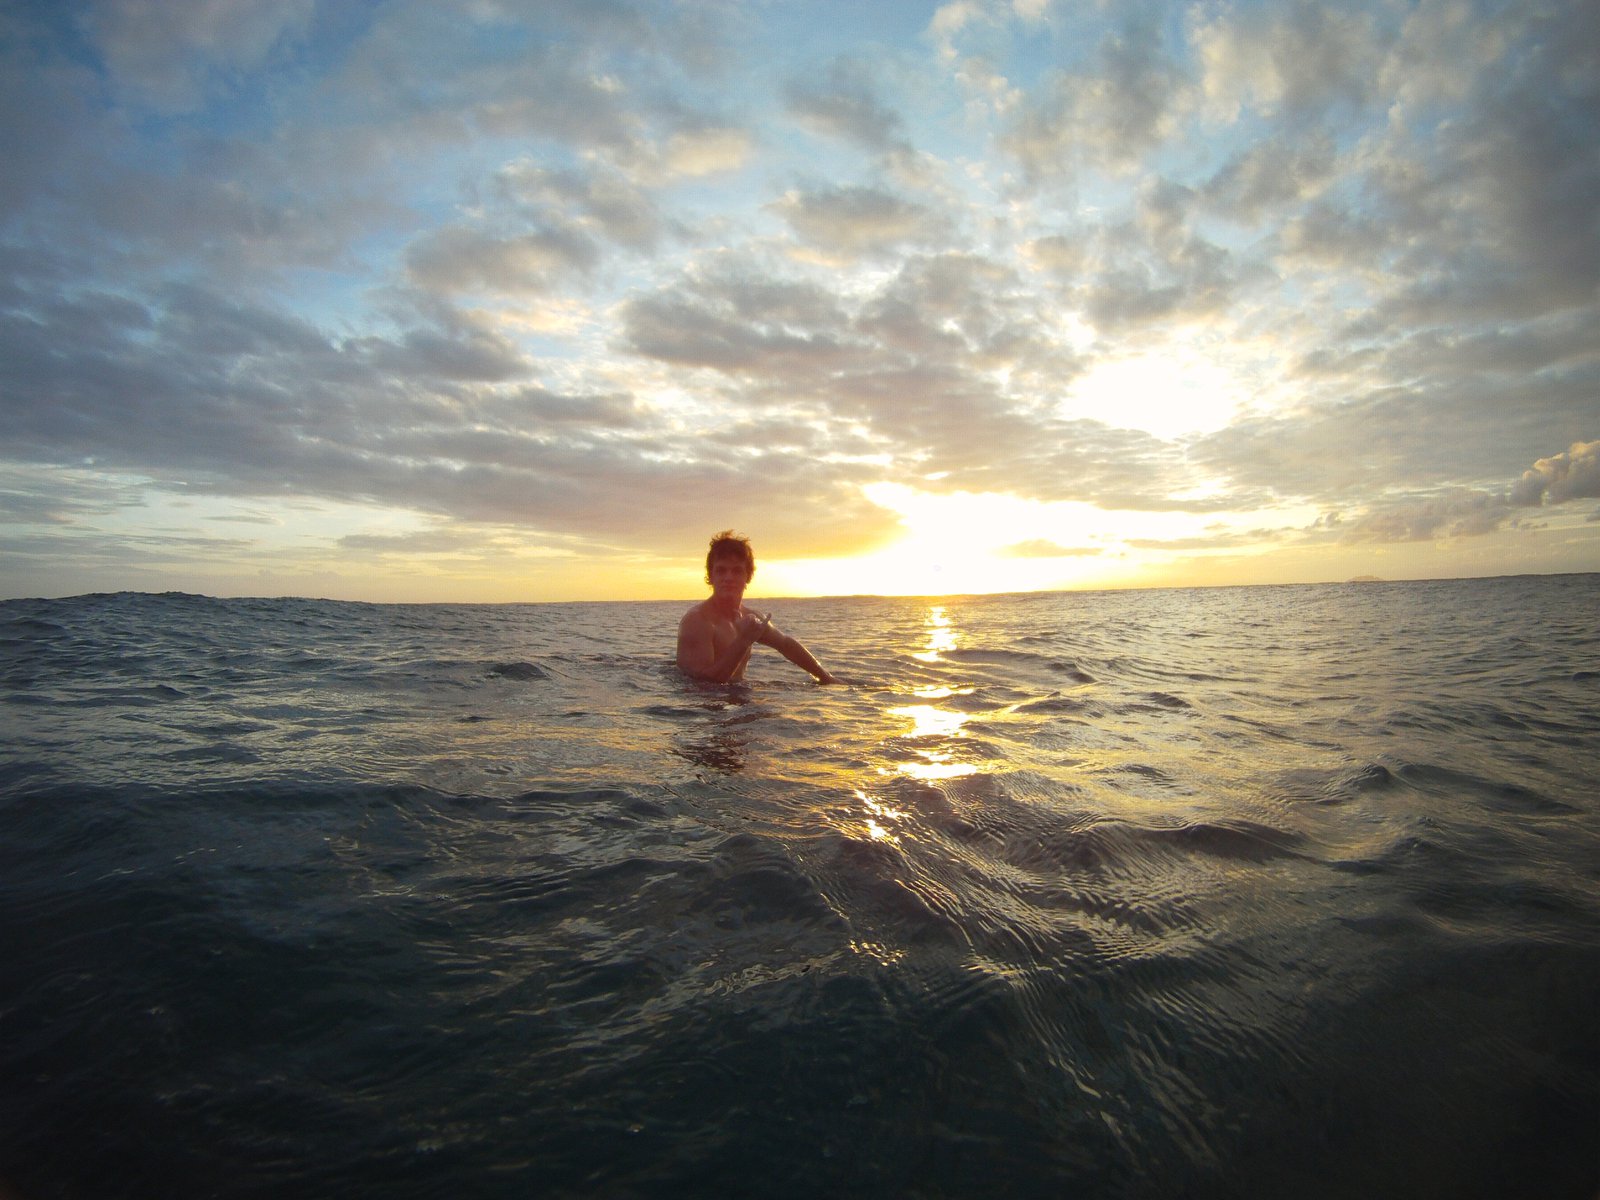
[752, 625]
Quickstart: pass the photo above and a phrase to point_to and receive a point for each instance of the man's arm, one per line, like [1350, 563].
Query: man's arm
[791, 649]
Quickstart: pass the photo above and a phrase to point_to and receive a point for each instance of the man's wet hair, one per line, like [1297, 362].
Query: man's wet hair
[729, 544]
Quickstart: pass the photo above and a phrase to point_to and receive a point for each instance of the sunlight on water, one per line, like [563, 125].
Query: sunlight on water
[941, 636]
[930, 722]
[936, 765]
[935, 692]
[885, 956]
[877, 813]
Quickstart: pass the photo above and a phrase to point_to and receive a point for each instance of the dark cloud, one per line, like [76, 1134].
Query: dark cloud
[31, 495]
[1154, 267]
[47, 114]
[1272, 176]
[1295, 60]
[1571, 475]
[1455, 513]
[174, 55]
[232, 400]
[1108, 113]
[844, 102]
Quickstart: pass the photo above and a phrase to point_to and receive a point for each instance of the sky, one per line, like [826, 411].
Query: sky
[480, 300]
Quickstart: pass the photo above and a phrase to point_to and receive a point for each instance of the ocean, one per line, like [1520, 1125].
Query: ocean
[1238, 892]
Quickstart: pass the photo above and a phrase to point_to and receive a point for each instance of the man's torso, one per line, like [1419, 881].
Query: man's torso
[723, 633]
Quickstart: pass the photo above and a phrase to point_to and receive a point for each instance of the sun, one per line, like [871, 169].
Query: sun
[965, 543]
[1179, 391]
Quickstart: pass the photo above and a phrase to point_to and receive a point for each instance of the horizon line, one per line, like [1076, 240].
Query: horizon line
[1152, 587]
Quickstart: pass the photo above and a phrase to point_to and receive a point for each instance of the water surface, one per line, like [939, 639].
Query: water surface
[1227, 892]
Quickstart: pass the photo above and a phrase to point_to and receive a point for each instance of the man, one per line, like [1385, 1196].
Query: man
[716, 636]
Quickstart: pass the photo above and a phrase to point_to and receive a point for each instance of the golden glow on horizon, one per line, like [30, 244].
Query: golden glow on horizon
[966, 543]
[954, 544]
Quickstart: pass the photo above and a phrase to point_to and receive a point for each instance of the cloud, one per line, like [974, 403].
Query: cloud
[1456, 513]
[844, 103]
[1151, 268]
[1273, 175]
[950, 19]
[457, 259]
[1461, 512]
[171, 54]
[741, 328]
[918, 366]
[39, 495]
[1043, 548]
[1217, 537]
[710, 150]
[1297, 59]
[457, 353]
[452, 540]
[436, 73]
[1571, 475]
[46, 113]
[228, 399]
[1483, 211]
[856, 221]
[1109, 114]
[1158, 267]
[605, 201]
[273, 251]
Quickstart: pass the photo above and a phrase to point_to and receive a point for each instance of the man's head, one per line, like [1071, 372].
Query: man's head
[730, 545]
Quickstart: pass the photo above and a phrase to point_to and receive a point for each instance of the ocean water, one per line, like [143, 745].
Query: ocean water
[1278, 892]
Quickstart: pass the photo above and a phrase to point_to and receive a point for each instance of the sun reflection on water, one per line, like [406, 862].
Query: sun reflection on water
[936, 765]
[929, 721]
[887, 956]
[941, 636]
[941, 693]
[880, 818]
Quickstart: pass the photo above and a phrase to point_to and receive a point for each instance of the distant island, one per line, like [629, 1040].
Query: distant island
[1367, 579]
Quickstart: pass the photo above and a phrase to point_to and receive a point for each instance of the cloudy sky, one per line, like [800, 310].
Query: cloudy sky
[490, 300]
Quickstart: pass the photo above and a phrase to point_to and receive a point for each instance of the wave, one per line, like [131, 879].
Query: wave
[522, 672]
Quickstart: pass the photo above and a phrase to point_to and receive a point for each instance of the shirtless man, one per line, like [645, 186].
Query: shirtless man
[716, 636]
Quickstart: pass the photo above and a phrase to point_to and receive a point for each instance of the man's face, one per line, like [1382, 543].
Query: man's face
[728, 576]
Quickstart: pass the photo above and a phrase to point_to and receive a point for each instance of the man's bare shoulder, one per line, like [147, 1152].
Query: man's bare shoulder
[700, 622]
[698, 615]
